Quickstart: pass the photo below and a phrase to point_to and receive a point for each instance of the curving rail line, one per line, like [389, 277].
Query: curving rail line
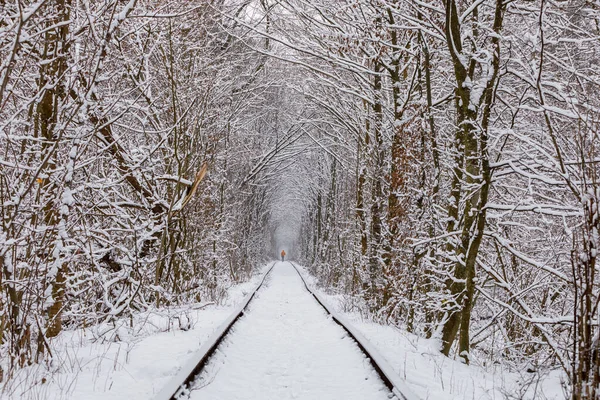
[178, 387]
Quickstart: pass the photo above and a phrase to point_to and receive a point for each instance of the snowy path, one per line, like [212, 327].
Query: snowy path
[286, 347]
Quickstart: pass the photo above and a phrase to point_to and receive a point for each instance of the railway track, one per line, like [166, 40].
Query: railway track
[179, 386]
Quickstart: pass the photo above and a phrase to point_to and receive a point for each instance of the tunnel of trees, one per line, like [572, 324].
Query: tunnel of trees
[434, 162]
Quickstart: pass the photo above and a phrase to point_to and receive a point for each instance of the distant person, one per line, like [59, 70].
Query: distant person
[282, 255]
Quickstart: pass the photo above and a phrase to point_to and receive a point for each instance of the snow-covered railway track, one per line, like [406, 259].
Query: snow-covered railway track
[188, 376]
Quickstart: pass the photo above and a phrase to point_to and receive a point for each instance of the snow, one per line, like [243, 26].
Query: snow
[400, 389]
[121, 16]
[436, 377]
[178, 385]
[284, 347]
[127, 363]
[126, 369]
[287, 347]
[432, 376]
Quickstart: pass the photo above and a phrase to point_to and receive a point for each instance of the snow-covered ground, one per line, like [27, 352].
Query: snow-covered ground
[134, 365]
[286, 347]
[433, 376]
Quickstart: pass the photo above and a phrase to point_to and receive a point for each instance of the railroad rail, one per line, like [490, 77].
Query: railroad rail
[180, 385]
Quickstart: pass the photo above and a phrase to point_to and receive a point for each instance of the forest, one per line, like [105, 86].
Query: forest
[432, 161]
